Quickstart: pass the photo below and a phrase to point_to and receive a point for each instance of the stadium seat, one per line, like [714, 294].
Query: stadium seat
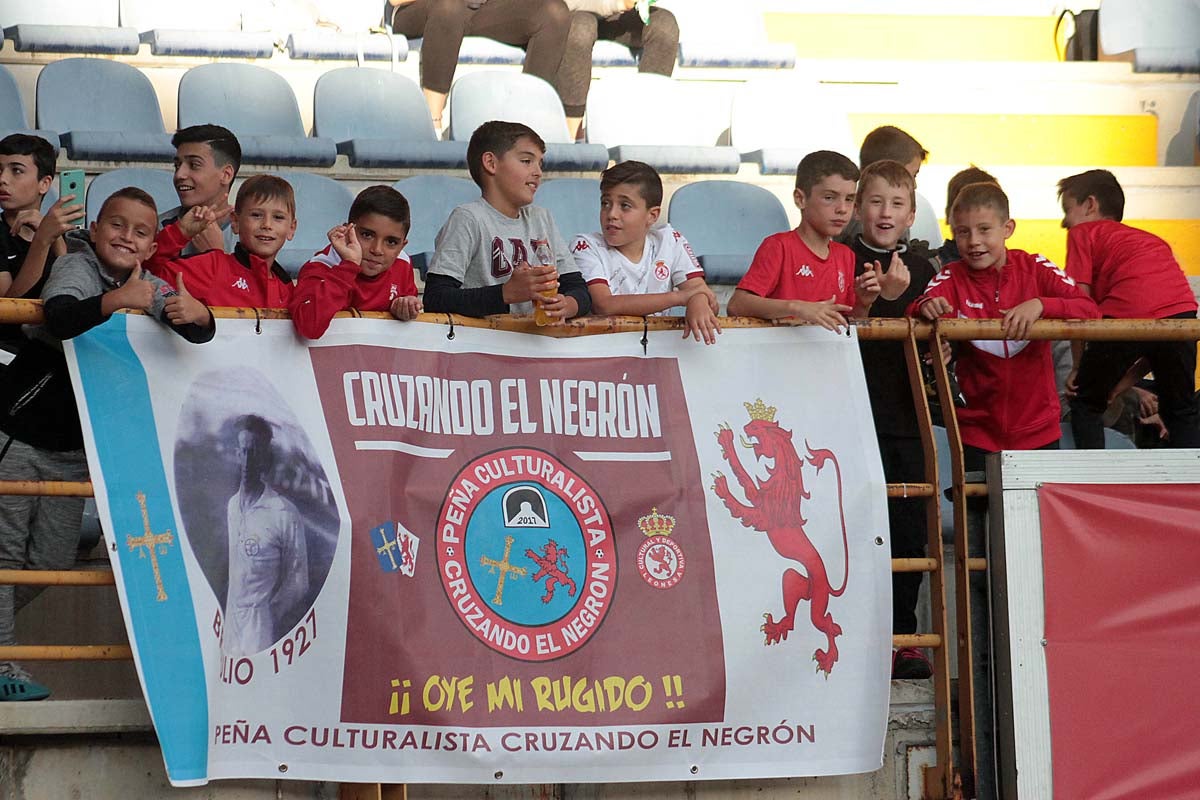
[516, 97]
[72, 39]
[49, 199]
[432, 198]
[481, 50]
[725, 221]
[575, 204]
[331, 46]
[925, 226]
[259, 106]
[379, 119]
[12, 113]
[648, 118]
[711, 36]
[175, 29]
[321, 203]
[208, 43]
[157, 182]
[776, 133]
[104, 111]
[735, 53]
[606, 53]
[1165, 39]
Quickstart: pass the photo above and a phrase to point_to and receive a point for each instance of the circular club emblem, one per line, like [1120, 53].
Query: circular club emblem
[526, 554]
[660, 561]
[841, 281]
[661, 270]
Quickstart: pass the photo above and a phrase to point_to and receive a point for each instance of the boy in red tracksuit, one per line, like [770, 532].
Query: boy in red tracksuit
[1012, 402]
[1131, 274]
[364, 267]
[264, 219]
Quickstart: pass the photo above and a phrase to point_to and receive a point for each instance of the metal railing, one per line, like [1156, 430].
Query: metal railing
[942, 780]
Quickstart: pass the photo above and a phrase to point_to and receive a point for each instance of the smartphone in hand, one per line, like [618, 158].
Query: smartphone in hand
[70, 182]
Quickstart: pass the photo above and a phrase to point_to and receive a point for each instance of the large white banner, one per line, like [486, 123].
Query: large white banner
[416, 553]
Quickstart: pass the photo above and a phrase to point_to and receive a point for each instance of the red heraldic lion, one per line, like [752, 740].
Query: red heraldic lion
[774, 509]
[552, 565]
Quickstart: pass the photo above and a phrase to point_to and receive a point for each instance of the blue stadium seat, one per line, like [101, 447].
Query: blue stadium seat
[259, 106]
[331, 46]
[209, 43]
[104, 110]
[49, 199]
[646, 118]
[321, 203]
[175, 29]
[725, 221]
[72, 39]
[1166, 39]
[925, 226]
[432, 198]
[606, 53]
[481, 50]
[736, 53]
[157, 182]
[12, 112]
[776, 135]
[379, 119]
[516, 97]
[712, 39]
[575, 204]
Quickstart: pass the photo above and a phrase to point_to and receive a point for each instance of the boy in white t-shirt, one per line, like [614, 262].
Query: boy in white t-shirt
[636, 268]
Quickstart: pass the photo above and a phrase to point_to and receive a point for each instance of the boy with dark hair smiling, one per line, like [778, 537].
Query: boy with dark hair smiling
[364, 268]
[100, 274]
[29, 241]
[804, 273]
[634, 267]
[1131, 274]
[264, 218]
[207, 159]
[481, 264]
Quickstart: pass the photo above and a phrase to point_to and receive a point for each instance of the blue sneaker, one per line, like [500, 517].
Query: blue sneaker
[16, 689]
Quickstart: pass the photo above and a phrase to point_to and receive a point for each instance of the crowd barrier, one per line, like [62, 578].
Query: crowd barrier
[944, 779]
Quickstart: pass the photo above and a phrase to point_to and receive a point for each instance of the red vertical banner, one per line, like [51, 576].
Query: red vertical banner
[529, 541]
[1122, 595]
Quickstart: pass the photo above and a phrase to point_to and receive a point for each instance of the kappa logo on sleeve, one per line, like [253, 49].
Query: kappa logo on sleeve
[526, 554]
[580, 246]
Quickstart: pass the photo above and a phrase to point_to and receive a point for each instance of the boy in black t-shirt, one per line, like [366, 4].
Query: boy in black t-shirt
[885, 207]
[29, 241]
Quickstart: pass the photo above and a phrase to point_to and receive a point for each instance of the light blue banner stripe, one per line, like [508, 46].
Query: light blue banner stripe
[126, 438]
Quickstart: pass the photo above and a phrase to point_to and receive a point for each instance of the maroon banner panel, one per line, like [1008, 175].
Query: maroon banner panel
[530, 544]
[1122, 589]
